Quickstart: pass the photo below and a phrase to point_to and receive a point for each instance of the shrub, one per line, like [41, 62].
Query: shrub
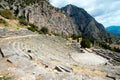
[6, 13]
[5, 78]
[104, 45]
[44, 30]
[75, 36]
[23, 22]
[116, 49]
[32, 27]
[107, 46]
[85, 43]
[22, 17]
[2, 21]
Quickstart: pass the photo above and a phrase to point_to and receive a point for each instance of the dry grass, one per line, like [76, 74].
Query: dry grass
[88, 71]
[38, 78]
[13, 24]
[5, 73]
[4, 60]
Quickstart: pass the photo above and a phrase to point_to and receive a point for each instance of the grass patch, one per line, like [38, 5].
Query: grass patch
[5, 78]
[6, 13]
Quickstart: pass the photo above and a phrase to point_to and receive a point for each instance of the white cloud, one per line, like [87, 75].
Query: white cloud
[106, 12]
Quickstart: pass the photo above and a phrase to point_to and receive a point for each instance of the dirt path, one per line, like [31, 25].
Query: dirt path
[15, 37]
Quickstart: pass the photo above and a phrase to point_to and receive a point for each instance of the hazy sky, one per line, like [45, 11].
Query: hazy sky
[106, 12]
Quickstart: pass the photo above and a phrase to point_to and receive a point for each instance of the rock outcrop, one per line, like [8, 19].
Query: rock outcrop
[42, 14]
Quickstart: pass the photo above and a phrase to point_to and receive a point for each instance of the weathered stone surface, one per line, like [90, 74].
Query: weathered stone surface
[26, 65]
[62, 68]
[113, 57]
[113, 76]
[6, 51]
[3, 66]
[4, 32]
[57, 76]
[46, 53]
[0, 56]
[20, 74]
[19, 61]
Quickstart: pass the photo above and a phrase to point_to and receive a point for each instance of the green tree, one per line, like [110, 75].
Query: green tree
[104, 45]
[75, 36]
[44, 30]
[85, 43]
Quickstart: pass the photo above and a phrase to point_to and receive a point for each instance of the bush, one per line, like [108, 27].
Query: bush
[75, 36]
[32, 27]
[22, 17]
[85, 43]
[2, 21]
[104, 45]
[6, 13]
[44, 30]
[23, 22]
[116, 49]
[5, 78]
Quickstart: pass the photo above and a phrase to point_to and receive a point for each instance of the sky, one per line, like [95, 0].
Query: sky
[106, 12]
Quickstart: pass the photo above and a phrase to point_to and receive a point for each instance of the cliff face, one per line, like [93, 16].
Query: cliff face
[86, 24]
[41, 13]
[45, 15]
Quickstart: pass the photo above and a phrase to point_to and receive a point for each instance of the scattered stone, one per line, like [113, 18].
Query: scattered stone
[113, 57]
[29, 51]
[62, 68]
[1, 54]
[82, 51]
[112, 76]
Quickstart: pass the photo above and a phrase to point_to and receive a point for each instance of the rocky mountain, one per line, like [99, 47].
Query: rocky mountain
[114, 30]
[66, 21]
[41, 13]
[86, 24]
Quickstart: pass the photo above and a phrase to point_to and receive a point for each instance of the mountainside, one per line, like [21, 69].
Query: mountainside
[114, 30]
[86, 23]
[43, 14]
